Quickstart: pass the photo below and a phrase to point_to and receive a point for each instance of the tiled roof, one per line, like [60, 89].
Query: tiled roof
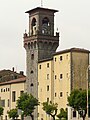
[19, 80]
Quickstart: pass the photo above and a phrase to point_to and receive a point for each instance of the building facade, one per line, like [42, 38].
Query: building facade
[51, 75]
[40, 44]
[12, 85]
[58, 76]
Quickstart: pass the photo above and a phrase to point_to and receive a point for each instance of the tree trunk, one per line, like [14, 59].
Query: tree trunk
[32, 117]
[83, 117]
[53, 117]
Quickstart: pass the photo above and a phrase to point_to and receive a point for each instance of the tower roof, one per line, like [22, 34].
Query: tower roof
[41, 9]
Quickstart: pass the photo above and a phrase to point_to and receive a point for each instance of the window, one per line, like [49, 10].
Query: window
[47, 99]
[60, 58]
[47, 65]
[8, 89]
[55, 59]
[31, 71]
[1, 90]
[32, 56]
[8, 103]
[74, 113]
[6, 117]
[3, 103]
[31, 84]
[55, 94]
[39, 66]
[55, 77]
[61, 94]
[21, 92]
[47, 76]
[47, 87]
[13, 96]
[4, 90]
[61, 76]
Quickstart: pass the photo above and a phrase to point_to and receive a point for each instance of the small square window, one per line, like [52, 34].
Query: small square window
[47, 65]
[61, 94]
[39, 66]
[47, 99]
[55, 77]
[1, 90]
[61, 76]
[60, 58]
[47, 76]
[8, 89]
[55, 59]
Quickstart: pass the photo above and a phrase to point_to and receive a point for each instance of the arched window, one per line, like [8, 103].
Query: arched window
[45, 21]
[45, 26]
[33, 24]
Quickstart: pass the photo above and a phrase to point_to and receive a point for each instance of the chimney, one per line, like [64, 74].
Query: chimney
[13, 69]
[21, 73]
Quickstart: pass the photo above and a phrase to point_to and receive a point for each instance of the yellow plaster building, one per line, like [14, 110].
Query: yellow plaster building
[9, 93]
[58, 76]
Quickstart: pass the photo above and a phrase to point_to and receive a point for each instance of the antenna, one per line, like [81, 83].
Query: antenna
[41, 3]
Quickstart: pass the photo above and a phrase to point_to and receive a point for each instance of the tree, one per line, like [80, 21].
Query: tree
[50, 108]
[78, 101]
[62, 114]
[1, 110]
[27, 104]
[13, 114]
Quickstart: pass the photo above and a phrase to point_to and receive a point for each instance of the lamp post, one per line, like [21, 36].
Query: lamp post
[87, 75]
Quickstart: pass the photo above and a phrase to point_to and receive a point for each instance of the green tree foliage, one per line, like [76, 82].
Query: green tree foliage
[27, 104]
[13, 114]
[50, 108]
[62, 114]
[78, 101]
[1, 110]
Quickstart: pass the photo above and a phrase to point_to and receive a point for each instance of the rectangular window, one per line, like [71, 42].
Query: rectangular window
[1, 90]
[55, 94]
[47, 76]
[47, 65]
[13, 96]
[39, 66]
[61, 94]
[60, 58]
[55, 77]
[21, 92]
[47, 87]
[74, 113]
[55, 59]
[3, 103]
[61, 76]
[47, 99]
[8, 103]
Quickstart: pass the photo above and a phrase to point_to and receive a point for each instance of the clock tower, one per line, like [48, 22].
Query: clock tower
[40, 44]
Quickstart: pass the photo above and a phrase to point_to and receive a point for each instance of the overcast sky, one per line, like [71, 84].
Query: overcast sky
[72, 21]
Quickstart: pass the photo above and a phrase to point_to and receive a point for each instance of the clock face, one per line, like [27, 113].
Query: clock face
[45, 29]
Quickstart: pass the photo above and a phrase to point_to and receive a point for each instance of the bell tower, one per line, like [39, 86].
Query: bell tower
[40, 44]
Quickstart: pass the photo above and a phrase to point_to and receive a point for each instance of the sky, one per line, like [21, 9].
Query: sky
[72, 21]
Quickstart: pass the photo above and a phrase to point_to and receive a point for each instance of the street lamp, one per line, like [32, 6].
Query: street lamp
[87, 76]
